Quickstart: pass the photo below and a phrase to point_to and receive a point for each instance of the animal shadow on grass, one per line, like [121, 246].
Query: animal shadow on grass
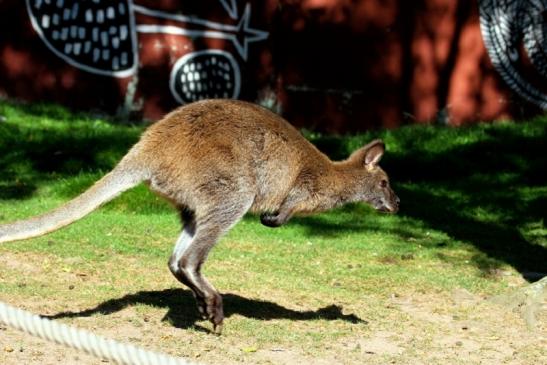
[182, 311]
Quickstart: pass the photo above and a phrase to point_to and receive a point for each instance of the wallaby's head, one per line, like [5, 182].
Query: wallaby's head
[374, 187]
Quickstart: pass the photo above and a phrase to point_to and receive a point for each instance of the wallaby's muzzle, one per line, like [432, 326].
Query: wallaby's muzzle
[387, 205]
[395, 207]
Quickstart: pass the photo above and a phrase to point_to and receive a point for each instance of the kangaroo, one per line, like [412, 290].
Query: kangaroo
[215, 160]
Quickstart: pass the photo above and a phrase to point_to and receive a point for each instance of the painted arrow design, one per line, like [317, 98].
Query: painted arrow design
[241, 35]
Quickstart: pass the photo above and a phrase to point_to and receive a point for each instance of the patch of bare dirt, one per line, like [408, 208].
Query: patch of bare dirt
[457, 327]
[17, 261]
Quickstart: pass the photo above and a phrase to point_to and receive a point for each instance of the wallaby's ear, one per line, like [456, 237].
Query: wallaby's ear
[374, 152]
[370, 154]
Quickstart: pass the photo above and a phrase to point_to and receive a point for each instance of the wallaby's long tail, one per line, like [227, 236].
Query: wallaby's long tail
[124, 176]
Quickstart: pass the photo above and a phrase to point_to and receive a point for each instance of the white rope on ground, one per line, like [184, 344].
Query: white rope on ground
[83, 340]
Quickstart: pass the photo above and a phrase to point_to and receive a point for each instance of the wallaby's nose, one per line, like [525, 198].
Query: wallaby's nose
[397, 202]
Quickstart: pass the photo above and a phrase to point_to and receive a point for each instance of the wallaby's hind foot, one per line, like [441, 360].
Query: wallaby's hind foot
[215, 311]
[185, 264]
[217, 329]
[191, 250]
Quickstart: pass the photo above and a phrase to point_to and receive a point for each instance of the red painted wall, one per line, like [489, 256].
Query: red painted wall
[330, 65]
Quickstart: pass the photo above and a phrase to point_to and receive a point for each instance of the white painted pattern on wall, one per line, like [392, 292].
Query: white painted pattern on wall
[231, 7]
[96, 36]
[510, 27]
[100, 37]
[205, 74]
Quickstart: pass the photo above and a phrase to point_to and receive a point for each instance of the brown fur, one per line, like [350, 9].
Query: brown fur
[215, 160]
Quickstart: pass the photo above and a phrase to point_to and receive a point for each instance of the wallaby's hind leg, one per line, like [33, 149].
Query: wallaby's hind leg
[184, 240]
[199, 235]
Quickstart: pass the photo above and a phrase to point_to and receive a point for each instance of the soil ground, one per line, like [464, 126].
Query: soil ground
[411, 328]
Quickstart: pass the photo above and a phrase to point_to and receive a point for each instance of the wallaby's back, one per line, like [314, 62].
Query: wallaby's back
[200, 155]
[229, 139]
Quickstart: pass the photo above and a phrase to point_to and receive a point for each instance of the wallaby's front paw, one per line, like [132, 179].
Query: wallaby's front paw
[270, 220]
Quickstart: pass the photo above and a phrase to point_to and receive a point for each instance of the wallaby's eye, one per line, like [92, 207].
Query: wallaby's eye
[383, 183]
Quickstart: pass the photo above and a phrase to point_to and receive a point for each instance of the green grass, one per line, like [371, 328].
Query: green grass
[472, 206]
[471, 196]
